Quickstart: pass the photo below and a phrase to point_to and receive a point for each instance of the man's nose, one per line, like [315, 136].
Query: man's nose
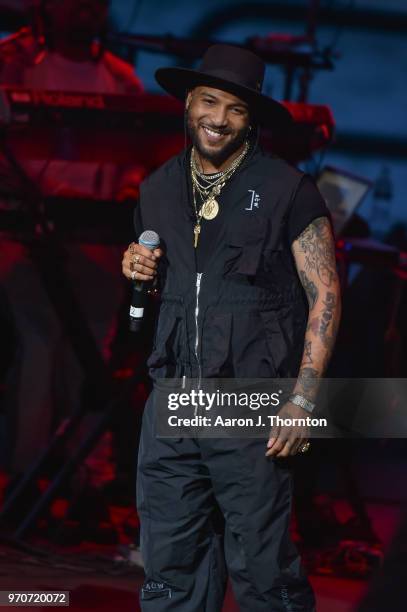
[219, 117]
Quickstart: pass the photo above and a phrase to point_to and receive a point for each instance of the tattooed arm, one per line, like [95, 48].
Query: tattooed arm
[314, 254]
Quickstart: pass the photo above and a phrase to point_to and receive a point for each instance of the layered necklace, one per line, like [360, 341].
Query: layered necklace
[208, 187]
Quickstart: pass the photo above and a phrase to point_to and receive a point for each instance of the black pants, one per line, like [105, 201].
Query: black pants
[181, 484]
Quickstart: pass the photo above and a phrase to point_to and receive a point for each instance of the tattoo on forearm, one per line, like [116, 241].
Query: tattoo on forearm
[315, 256]
[307, 381]
[313, 325]
[327, 315]
[322, 325]
[310, 288]
[307, 360]
[317, 245]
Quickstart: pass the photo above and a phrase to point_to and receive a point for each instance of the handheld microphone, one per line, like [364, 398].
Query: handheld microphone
[151, 240]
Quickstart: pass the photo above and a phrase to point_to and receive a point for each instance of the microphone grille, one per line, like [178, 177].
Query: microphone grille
[149, 239]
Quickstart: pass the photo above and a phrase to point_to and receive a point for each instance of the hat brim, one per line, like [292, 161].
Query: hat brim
[266, 111]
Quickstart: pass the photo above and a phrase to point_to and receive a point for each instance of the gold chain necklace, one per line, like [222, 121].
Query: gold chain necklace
[207, 182]
[210, 206]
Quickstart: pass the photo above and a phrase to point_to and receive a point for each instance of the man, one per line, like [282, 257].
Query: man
[64, 52]
[247, 243]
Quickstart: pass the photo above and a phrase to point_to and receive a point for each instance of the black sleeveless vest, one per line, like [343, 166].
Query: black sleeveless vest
[245, 314]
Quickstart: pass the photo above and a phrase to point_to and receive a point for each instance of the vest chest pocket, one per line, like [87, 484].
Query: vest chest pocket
[244, 242]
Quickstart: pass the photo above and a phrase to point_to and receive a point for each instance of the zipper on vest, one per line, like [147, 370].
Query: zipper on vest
[197, 347]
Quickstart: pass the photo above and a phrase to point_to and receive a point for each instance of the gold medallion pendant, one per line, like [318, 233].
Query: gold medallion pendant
[209, 209]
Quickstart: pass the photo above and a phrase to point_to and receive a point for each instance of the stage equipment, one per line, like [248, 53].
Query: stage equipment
[343, 193]
[146, 129]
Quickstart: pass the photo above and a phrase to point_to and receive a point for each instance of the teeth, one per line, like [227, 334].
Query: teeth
[211, 132]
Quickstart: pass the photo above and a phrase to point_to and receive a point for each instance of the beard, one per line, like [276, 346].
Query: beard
[220, 155]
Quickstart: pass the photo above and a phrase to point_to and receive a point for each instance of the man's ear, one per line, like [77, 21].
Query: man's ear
[188, 100]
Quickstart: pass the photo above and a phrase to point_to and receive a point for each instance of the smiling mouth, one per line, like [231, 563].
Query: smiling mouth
[213, 135]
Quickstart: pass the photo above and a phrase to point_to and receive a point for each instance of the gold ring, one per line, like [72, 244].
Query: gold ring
[305, 447]
[136, 259]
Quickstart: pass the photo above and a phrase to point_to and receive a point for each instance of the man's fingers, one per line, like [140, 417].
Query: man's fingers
[142, 265]
[276, 444]
[292, 445]
[297, 445]
[286, 443]
[270, 447]
[276, 448]
[138, 271]
[286, 451]
[144, 270]
[137, 276]
[273, 436]
[138, 261]
[146, 253]
[297, 439]
[139, 249]
[286, 440]
[141, 277]
[126, 268]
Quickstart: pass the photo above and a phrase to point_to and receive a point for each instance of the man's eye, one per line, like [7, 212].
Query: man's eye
[208, 101]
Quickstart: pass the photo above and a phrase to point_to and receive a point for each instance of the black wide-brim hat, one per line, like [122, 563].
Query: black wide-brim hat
[235, 70]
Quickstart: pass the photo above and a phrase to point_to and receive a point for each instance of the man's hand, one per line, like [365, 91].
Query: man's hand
[139, 263]
[286, 441]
